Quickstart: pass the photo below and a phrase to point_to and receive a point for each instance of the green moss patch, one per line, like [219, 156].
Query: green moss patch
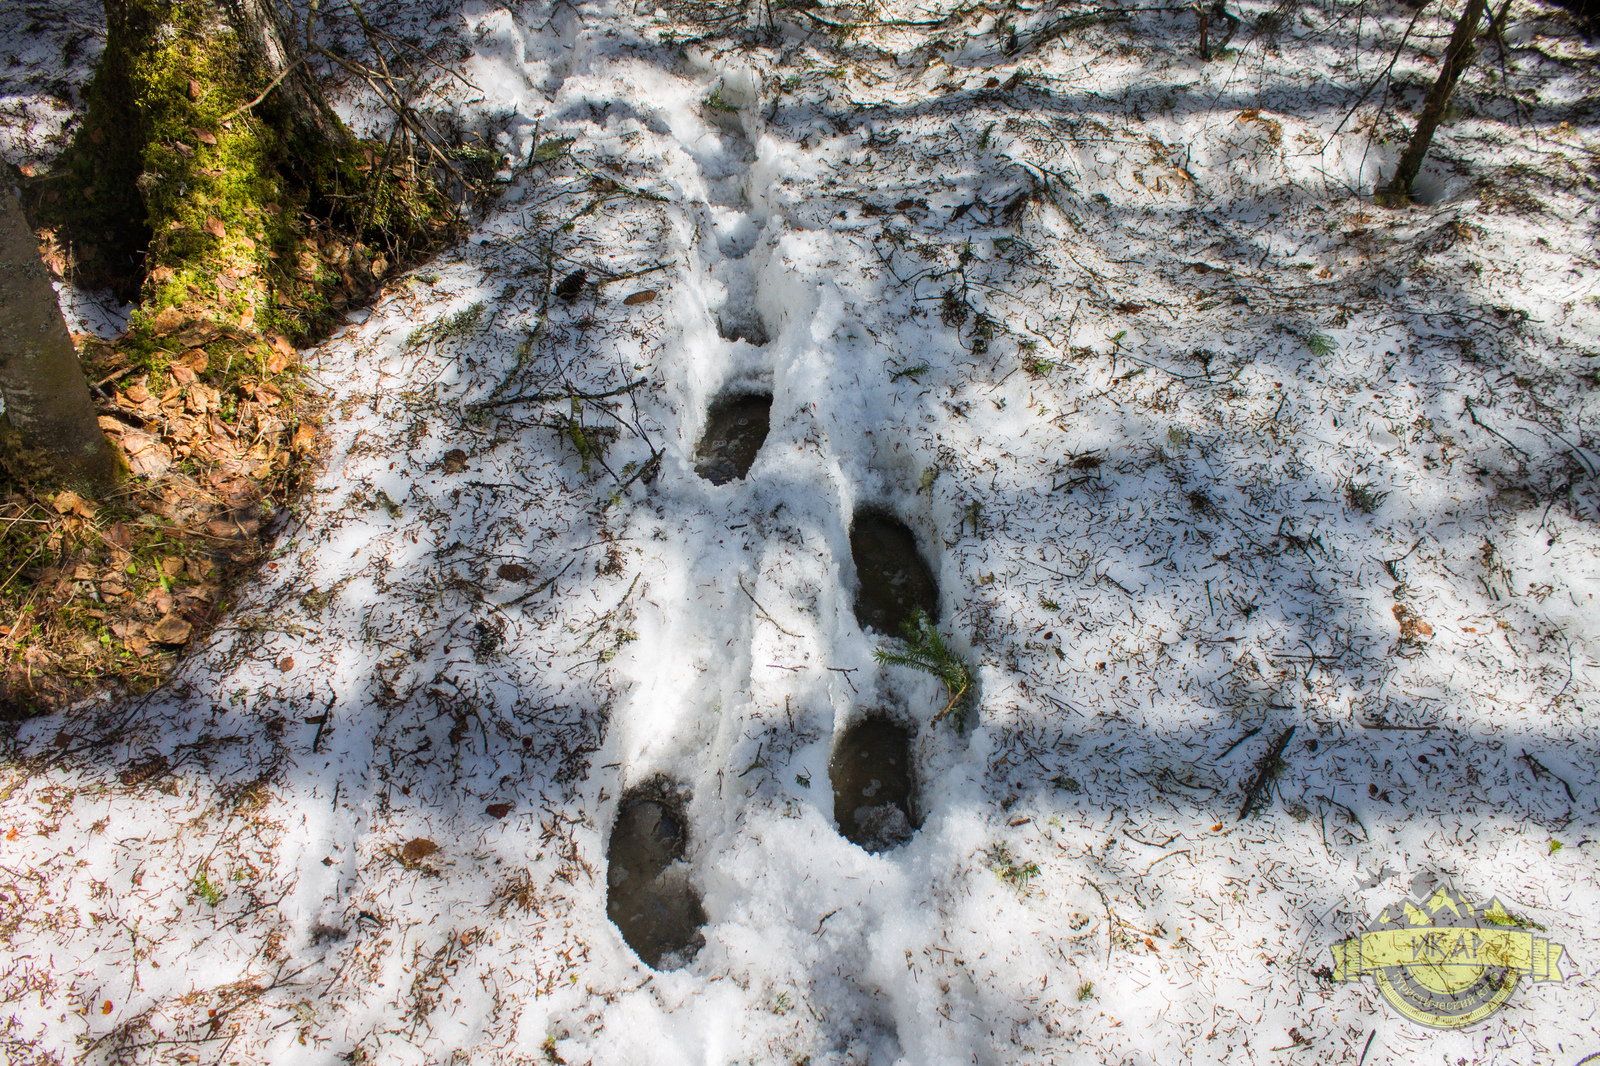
[240, 235]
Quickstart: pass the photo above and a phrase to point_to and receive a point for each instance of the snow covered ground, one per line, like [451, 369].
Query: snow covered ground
[1195, 439]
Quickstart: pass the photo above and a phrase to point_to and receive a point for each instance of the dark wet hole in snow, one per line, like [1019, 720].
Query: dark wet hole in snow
[648, 892]
[873, 789]
[747, 328]
[736, 426]
[894, 581]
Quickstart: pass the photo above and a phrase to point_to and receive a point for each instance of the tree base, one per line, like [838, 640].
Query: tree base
[1391, 197]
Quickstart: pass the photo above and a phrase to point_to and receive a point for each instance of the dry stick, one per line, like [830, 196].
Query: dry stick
[242, 108]
[1266, 769]
[1236, 743]
[954, 696]
[1392, 61]
[401, 110]
[377, 175]
[550, 397]
[1111, 919]
[1539, 769]
[764, 613]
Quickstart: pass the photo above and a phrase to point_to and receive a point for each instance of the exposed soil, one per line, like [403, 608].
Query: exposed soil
[648, 893]
[893, 580]
[874, 792]
[735, 430]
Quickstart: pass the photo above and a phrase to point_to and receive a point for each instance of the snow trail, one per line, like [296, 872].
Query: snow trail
[1190, 438]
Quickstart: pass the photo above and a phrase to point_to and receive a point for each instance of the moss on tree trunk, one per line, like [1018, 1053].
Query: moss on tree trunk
[209, 183]
[227, 218]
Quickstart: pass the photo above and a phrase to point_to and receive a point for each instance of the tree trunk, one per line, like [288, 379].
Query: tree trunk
[171, 69]
[264, 35]
[41, 381]
[1457, 57]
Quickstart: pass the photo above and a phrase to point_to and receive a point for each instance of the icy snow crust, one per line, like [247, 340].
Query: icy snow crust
[1142, 498]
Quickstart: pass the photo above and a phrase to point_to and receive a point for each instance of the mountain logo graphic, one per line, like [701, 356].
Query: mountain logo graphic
[1447, 964]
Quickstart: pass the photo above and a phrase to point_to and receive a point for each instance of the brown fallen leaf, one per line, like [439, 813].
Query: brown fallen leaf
[213, 225]
[205, 136]
[69, 502]
[282, 354]
[137, 393]
[167, 321]
[1412, 628]
[170, 630]
[197, 333]
[232, 527]
[120, 535]
[418, 848]
[641, 297]
[147, 457]
[512, 572]
[172, 565]
[497, 810]
[194, 89]
[268, 394]
[304, 437]
[197, 360]
[286, 663]
[183, 375]
[455, 461]
[1130, 308]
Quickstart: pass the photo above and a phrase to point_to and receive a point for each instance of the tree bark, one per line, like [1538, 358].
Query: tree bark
[1457, 57]
[41, 381]
[265, 35]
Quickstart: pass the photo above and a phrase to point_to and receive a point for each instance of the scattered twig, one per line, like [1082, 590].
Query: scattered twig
[1266, 769]
[764, 613]
[1236, 743]
[1539, 769]
[1385, 725]
[242, 108]
[552, 397]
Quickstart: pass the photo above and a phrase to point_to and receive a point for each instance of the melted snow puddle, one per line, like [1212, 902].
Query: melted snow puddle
[873, 790]
[894, 582]
[648, 893]
[736, 427]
